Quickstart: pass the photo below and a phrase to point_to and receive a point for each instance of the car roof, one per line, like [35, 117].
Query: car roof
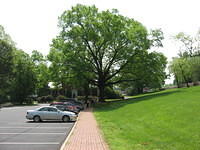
[46, 107]
[57, 103]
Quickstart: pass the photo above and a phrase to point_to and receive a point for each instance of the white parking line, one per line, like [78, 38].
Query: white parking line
[10, 108]
[34, 127]
[33, 123]
[36, 143]
[29, 133]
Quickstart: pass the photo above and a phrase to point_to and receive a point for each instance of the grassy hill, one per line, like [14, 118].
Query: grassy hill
[167, 120]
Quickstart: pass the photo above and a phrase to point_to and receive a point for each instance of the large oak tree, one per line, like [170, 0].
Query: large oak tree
[100, 44]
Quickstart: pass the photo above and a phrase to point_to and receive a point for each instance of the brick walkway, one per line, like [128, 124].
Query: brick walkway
[86, 134]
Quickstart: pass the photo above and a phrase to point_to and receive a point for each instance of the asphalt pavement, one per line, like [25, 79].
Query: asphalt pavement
[18, 133]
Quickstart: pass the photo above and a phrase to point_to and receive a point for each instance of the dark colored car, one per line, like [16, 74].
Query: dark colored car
[78, 104]
[66, 106]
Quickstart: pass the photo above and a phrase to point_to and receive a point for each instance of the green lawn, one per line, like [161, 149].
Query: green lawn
[167, 120]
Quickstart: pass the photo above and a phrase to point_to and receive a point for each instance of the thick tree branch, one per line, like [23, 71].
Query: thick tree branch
[108, 66]
[121, 68]
[95, 58]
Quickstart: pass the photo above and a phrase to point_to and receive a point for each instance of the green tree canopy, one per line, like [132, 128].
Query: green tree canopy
[5, 37]
[6, 62]
[181, 69]
[42, 73]
[147, 71]
[186, 67]
[24, 80]
[185, 70]
[189, 46]
[99, 45]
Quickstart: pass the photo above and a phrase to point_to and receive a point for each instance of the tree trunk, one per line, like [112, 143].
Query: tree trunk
[184, 77]
[186, 81]
[86, 91]
[187, 84]
[140, 90]
[101, 92]
[177, 82]
[101, 86]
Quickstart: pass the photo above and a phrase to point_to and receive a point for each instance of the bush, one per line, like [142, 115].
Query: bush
[60, 97]
[30, 100]
[196, 83]
[49, 98]
[45, 99]
[2, 100]
[112, 94]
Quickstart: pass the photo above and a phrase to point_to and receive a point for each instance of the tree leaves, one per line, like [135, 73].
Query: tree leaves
[100, 44]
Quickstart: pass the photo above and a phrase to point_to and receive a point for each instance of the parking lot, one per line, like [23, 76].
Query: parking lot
[17, 133]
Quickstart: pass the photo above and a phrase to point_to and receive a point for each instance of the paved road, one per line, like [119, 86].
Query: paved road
[17, 133]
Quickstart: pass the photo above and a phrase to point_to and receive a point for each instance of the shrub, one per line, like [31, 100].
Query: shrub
[60, 97]
[45, 99]
[112, 94]
[49, 98]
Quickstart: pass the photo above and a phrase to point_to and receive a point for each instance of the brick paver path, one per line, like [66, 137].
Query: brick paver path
[86, 135]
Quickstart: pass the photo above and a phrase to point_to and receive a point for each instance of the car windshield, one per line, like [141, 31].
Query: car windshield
[60, 108]
[42, 109]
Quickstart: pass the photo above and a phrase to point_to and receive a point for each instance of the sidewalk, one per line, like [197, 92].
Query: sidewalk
[86, 135]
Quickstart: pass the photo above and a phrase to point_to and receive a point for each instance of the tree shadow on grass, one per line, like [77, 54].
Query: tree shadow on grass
[111, 105]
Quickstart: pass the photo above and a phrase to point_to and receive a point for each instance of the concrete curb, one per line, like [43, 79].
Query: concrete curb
[69, 135]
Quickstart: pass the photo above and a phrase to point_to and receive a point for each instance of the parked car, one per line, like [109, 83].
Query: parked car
[79, 104]
[56, 103]
[50, 113]
[66, 106]
[60, 107]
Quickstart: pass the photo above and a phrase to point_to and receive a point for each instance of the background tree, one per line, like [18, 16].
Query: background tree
[42, 73]
[186, 68]
[63, 76]
[23, 83]
[100, 44]
[189, 46]
[181, 68]
[6, 37]
[6, 63]
[147, 71]
[195, 68]
[59, 73]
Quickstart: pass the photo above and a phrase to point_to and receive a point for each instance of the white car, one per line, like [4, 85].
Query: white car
[50, 113]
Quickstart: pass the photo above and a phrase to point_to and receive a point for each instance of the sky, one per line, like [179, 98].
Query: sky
[32, 24]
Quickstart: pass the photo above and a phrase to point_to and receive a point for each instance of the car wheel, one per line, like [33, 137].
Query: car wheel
[65, 119]
[37, 119]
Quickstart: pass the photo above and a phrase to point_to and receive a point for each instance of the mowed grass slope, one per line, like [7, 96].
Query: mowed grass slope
[167, 120]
